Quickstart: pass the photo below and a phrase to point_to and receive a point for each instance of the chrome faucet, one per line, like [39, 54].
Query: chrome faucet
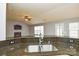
[40, 42]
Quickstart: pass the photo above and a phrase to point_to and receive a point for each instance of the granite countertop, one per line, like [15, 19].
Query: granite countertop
[46, 36]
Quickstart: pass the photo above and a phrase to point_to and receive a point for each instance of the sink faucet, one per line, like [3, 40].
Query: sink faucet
[48, 42]
[40, 42]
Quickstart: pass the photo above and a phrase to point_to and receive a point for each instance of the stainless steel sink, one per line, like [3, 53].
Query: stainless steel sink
[41, 48]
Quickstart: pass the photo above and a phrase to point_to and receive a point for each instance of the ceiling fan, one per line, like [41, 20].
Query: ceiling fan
[27, 18]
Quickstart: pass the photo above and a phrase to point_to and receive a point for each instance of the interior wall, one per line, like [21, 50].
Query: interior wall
[49, 28]
[31, 30]
[10, 28]
[2, 21]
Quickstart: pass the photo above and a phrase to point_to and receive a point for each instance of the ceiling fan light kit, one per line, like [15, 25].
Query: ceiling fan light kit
[27, 18]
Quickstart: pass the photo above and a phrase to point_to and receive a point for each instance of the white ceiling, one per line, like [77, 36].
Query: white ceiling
[42, 12]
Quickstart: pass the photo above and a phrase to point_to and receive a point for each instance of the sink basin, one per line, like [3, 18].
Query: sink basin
[41, 48]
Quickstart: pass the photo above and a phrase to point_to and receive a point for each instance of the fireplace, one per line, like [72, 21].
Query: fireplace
[17, 34]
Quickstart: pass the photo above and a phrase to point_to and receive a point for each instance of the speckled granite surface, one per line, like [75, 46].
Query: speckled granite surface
[17, 48]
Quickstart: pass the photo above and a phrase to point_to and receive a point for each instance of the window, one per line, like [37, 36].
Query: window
[59, 29]
[73, 30]
[39, 31]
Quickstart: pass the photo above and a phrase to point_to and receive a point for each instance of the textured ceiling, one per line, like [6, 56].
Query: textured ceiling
[41, 12]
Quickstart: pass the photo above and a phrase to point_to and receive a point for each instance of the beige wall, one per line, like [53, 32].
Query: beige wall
[10, 28]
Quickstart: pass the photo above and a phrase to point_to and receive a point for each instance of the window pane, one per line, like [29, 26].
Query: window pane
[59, 29]
[73, 30]
[38, 31]
[36, 28]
